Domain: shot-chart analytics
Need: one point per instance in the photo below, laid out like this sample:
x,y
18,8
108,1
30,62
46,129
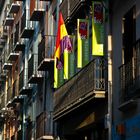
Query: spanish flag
x,y
63,44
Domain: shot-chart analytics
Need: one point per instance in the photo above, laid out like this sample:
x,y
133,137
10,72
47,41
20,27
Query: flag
x,y
83,49
69,59
62,43
98,29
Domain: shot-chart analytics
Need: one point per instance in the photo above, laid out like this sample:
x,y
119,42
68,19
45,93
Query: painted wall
x,y
132,129
130,118
119,10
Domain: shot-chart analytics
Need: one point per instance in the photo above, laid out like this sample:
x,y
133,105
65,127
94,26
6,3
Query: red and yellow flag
x,y
63,44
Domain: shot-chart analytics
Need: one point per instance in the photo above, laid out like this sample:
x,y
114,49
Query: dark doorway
x,y
129,34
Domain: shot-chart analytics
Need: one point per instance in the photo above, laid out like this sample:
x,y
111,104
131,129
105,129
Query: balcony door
x,y
129,34
129,38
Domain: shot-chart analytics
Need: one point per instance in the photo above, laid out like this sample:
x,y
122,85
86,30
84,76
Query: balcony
x,y
14,7
46,53
19,44
15,88
15,97
13,56
37,10
3,35
7,66
9,94
29,130
8,18
3,75
24,88
130,77
5,32
87,84
70,7
2,41
12,91
41,123
64,7
9,21
2,100
27,29
34,76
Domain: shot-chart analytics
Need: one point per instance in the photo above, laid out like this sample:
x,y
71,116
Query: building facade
x,y
80,104
26,92
126,82
30,106
95,95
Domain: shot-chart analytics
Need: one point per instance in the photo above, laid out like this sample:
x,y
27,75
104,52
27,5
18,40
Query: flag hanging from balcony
x,y
69,59
62,43
98,29
82,42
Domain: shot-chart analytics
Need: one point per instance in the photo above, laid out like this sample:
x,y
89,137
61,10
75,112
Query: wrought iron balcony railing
x,y
89,82
41,123
13,97
68,7
14,6
46,52
34,76
6,64
10,45
3,75
29,130
2,41
32,66
130,76
37,9
2,100
24,87
3,36
12,55
21,80
9,94
8,18
5,32
19,44
64,7
16,34
27,28
15,88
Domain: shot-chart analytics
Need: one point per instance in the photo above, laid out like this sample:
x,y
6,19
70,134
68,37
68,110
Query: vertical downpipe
x,y
57,15
23,120
68,9
109,76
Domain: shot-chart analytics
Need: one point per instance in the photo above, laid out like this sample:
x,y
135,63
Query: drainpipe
x,y
109,123
23,120
55,125
109,110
